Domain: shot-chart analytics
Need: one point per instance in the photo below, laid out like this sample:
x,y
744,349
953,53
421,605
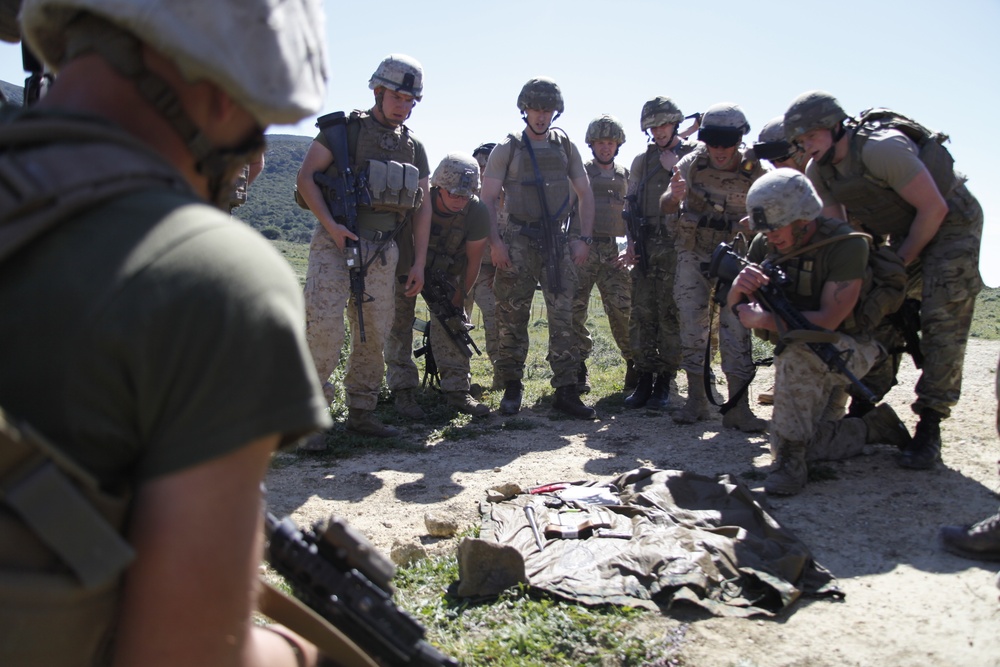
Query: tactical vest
x,y
871,202
521,187
609,199
61,553
654,179
718,196
446,247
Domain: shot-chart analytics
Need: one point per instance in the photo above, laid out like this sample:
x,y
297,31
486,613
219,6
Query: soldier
x,y
709,186
378,142
482,292
824,283
247,176
158,346
459,227
653,324
605,266
773,146
535,172
892,187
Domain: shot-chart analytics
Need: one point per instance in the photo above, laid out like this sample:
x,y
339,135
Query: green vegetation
x,y
520,630
270,206
986,320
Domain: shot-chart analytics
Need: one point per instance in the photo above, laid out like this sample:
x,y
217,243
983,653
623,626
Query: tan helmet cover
x,y
457,173
268,55
782,196
400,73
605,126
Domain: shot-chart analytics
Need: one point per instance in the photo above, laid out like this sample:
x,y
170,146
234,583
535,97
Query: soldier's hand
x,y
339,233
628,258
579,251
498,253
414,282
668,159
678,187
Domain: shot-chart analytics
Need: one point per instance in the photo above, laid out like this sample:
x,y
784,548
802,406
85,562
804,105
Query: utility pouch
x,y
393,185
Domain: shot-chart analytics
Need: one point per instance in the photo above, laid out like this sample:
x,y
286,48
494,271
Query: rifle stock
x,y
438,293
636,225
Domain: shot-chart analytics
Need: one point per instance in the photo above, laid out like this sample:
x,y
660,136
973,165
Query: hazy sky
x,y
929,60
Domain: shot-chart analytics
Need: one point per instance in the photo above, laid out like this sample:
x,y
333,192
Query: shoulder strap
x,y
106,163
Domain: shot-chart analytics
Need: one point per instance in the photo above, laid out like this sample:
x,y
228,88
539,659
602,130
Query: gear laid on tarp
x,y
648,538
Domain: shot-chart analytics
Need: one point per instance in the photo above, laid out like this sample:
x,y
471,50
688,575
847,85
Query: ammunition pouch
x,y
394,186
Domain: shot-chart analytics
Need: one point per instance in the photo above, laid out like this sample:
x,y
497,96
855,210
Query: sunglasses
x,y
775,151
720,137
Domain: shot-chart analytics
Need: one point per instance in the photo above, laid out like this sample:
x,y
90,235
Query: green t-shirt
x,y
153,333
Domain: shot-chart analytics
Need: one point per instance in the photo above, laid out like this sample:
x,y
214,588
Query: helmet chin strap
x,y
836,134
605,162
123,52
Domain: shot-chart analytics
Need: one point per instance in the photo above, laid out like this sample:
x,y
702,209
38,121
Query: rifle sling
x,y
293,614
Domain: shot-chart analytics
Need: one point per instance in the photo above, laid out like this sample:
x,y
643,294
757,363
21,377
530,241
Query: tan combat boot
x,y
696,408
364,422
739,416
464,402
790,474
406,404
885,426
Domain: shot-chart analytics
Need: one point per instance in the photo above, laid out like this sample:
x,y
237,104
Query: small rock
x,y
439,525
495,496
508,490
406,553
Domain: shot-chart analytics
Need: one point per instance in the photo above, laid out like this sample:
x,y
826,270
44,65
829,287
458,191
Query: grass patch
x,y
521,630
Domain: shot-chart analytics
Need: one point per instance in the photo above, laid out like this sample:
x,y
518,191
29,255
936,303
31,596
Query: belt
x,y
521,223
718,224
605,239
373,234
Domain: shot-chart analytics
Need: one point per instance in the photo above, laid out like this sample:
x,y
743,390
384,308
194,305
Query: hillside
x,y
270,207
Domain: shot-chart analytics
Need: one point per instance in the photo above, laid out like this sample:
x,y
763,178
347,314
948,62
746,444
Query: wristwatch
x,y
589,240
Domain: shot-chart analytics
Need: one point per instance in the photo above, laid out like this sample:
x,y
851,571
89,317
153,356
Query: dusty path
x,y
872,524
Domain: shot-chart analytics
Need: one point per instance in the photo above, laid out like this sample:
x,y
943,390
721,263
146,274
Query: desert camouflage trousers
x,y
482,294
654,327
514,289
328,295
612,279
401,368
809,399
693,291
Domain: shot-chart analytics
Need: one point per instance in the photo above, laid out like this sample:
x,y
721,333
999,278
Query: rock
x,y
439,525
488,568
406,553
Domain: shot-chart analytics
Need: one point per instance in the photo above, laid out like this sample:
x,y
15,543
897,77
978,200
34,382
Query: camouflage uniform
x,y
715,203
602,266
514,289
327,281
946,280
654,326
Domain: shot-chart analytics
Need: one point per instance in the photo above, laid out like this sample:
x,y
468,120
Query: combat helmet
x,y
605,126
277,74
457,173
541,93
816,109
779,198
723,124
771,142
400,73
659,111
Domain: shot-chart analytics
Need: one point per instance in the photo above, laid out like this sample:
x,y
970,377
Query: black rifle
x,y
335,571
551,232
438,292
635,222
726,265
906,321
343,194
427,352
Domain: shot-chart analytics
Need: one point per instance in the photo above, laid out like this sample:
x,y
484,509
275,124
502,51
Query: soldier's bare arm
x,y
923,195
421,236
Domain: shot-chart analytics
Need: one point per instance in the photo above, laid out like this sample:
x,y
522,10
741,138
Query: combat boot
x,y
661,392
364,422
885,426
766,397
859,407
643,390
464,402
314,443
925,450
980,541
631,376
739,416
406,404
568,402
790,474
497,382
583,379
696,407
510,404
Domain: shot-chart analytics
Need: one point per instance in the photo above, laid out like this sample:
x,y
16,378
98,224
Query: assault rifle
x,y
343,194
906,321
726,265
438,292
427,352
551,233
635,222
335,571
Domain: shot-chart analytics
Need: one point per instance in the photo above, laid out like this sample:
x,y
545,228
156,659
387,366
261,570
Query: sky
x,y
928,60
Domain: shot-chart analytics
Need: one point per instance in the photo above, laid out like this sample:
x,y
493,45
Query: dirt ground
x,y
872,524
